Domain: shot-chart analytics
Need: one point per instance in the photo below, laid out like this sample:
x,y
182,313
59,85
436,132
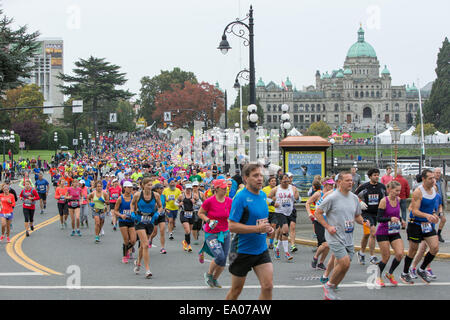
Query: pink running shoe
x,y
2,237
124,259
201,258
7,240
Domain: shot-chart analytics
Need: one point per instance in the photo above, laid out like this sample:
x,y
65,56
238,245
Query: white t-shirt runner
x,y
285,198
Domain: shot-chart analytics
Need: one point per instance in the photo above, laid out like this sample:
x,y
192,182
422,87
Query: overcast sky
x,y
292,37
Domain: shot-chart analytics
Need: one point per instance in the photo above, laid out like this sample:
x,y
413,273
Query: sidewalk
x,y
305,236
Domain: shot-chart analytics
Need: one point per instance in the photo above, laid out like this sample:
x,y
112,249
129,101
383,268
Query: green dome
x,y
288,82
326,75
361,48
385,70
348,71
260,83
339,74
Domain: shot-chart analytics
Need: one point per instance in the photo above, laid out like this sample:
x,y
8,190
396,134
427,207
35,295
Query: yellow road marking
x,y
14,250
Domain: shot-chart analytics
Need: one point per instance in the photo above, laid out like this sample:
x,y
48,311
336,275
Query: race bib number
x,y
188,214
285,203
7,215
426,227
146,219
28,202
61,198
373,199
127,213
349,226
114,196
171,197
74,204
393,227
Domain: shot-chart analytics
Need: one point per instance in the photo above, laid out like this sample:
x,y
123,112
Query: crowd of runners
x,y
236,218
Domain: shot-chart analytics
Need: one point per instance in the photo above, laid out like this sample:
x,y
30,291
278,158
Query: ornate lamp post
x,y
224,46
285,118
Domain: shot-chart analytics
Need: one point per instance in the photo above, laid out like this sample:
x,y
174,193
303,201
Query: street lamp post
x,y
395,134
332,141
89,143
55,139
224,46
4,138
12,140
243,74
285,118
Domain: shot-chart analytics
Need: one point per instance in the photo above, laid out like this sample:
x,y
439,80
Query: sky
x,y
293,38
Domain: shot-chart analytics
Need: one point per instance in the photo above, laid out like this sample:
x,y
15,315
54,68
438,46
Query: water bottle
x,y
212,224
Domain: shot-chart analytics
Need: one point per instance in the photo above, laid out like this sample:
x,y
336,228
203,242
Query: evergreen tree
x,y
95,83
17,50
436,109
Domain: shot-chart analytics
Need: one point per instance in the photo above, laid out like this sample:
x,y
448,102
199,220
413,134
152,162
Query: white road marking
x,y
14,274
354,285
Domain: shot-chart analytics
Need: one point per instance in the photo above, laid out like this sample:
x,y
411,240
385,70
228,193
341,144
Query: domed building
x,y
355,97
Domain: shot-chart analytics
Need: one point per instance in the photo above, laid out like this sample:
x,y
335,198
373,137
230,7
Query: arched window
x,y
399,94
336,107
313,108
307,108
295,108
279,107
318,108
367,113
396,107
268,108
356,94
378,94
416,107
361,94
372,94
302,108
367,94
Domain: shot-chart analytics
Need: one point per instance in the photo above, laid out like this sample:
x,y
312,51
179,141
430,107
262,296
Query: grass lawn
x,y
363,135
45,154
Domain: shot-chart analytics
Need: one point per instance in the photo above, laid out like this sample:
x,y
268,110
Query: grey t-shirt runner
x,y
340,211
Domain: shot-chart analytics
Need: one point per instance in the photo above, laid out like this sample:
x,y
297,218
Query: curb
x,y
313,243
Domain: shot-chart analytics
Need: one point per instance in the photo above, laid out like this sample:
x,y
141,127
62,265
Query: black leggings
x,y
28,214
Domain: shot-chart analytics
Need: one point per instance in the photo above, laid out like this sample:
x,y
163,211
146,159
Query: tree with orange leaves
x,y
194,101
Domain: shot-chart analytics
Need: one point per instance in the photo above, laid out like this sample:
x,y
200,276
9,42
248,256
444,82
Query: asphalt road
x,y
86,270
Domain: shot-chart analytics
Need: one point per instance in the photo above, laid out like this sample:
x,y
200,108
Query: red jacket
x,y
29,197
405,192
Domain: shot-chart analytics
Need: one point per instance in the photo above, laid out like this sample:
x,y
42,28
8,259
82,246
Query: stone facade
x,y
355,97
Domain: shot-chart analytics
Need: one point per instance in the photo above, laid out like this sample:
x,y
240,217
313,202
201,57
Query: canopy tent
x,y
385,137
346,136
407,137
437,137
294,132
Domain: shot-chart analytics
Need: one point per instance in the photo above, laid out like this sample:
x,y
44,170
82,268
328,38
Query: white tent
x,y
385,137
437,137
294,132
407,137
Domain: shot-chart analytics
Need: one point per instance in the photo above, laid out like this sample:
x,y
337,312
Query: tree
x,y
26,96
152,87
95,83
191,102
436,109
17,50
29,131
319,128
428,129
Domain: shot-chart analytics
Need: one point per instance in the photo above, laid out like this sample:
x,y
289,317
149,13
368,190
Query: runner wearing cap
x,y
73,196
122,211
84,204
215,212
292,219
97,200
114,193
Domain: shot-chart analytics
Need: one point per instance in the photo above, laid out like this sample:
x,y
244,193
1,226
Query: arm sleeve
x,y
381,217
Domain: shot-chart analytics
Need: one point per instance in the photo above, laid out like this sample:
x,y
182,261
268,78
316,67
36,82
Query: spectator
x,y
356,179
387,177
404,192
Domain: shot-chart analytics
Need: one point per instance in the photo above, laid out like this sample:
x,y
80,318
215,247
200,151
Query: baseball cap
x,y
195,183
220,183
158,186
329,181
127,184
189,186
289,174
115,180
82,181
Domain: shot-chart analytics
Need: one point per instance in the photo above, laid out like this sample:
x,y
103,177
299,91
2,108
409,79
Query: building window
x,y
295,118
307,108
268,108
367,94
356,94
313,118
302,118
302,108
318,108
372,94
279,107
378,94
416,106
396,107
397,117
399,94
269,118
394,94
348,107
295,108
336,118
387,106
336,107
274,118
361,94
313,107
